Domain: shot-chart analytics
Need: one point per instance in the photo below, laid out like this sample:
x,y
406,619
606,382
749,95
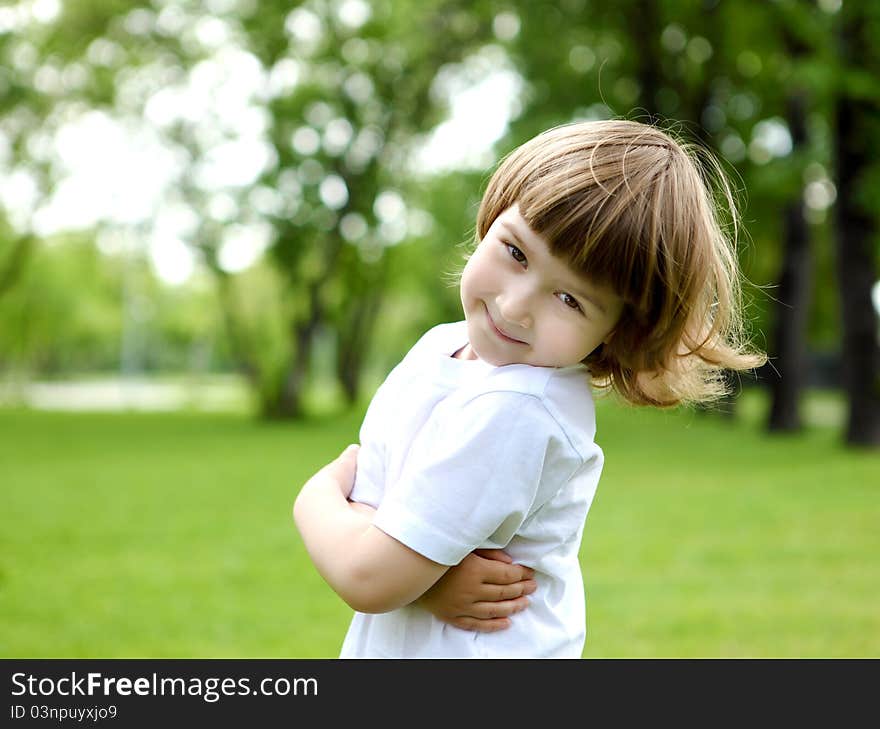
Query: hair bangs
x,y
627,255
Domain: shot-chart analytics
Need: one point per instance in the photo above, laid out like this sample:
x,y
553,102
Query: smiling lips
x,y
501,334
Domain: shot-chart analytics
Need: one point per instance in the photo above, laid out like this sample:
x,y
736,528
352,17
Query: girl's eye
x,y
570,301
516,253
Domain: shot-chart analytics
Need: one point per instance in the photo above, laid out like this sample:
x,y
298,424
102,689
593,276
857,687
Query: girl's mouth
x,y
500,333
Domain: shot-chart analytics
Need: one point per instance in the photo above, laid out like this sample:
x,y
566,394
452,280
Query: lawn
x,y
129,535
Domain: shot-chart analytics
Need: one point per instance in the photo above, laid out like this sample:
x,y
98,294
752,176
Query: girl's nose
x,y
515,308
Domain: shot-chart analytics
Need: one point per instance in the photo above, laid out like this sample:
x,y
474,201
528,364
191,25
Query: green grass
x,y
170,535
713,538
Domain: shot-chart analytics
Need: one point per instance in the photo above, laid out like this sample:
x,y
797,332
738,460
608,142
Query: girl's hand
x,y
481,592
341,470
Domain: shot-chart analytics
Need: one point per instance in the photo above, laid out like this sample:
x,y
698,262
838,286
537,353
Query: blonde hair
x,y
629,206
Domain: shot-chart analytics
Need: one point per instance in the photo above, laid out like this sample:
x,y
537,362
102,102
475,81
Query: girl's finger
x,y
496,593
482,626
498,573
499,555
500,609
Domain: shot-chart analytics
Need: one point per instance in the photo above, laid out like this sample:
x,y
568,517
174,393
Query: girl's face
x,y
525,306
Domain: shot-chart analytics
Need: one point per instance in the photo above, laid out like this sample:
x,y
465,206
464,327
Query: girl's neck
x,y
466,352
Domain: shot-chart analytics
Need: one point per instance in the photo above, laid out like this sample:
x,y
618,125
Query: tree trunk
x,y
353,347
858,120
856,231
355,335
289,402
788,347
15,262
645,29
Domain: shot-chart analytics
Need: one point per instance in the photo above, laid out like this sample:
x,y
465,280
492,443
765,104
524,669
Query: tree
x,y
338,91
857,221
803,38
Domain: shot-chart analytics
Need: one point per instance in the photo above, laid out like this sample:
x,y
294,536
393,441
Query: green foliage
x,y
75,308
64,315
348,103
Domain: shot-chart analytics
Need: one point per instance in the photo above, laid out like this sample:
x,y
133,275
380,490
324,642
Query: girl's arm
x,y
371,571
478,594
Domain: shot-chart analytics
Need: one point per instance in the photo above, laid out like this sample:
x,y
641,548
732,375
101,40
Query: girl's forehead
x,y
513,219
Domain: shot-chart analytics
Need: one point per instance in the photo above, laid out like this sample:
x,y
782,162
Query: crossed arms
x,y
375,573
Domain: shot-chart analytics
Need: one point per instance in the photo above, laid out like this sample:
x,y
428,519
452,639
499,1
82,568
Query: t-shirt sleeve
x,y
474,475
370,473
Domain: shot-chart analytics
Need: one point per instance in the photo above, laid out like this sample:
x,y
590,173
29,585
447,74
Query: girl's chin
x,y
487,356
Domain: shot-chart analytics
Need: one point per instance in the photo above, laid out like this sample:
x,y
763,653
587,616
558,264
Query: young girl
x,y
600,260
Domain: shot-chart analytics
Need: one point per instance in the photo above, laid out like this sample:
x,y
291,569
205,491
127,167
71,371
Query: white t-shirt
x,y
458,455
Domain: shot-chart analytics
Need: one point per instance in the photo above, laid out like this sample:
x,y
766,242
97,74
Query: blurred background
x,y
223,222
